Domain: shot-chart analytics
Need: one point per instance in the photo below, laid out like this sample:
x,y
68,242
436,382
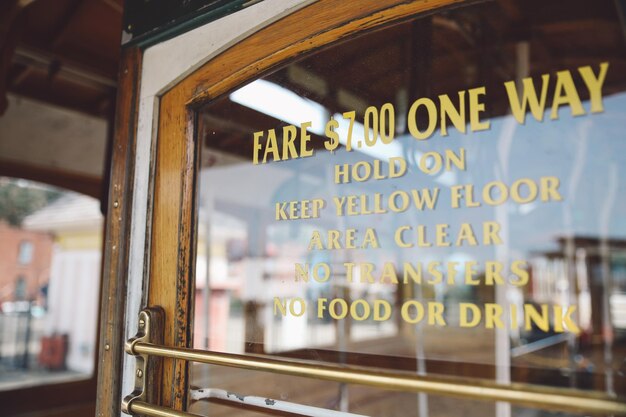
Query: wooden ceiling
x,y
63,52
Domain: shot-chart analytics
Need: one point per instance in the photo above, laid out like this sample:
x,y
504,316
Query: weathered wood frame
x,y
117,237
78,398
174,205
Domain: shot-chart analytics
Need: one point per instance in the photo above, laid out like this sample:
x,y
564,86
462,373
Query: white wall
x,y
73,304
35,133
163,65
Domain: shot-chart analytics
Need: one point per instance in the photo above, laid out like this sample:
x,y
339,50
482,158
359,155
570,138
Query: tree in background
x,y
19,198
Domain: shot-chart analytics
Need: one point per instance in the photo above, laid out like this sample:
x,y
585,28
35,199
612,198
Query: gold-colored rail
x,y
150,410
560,399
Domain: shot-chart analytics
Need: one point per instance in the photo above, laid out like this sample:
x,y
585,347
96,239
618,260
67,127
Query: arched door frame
x,y
154,163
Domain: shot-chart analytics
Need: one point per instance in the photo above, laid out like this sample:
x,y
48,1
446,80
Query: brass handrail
x,y
561,399
146,409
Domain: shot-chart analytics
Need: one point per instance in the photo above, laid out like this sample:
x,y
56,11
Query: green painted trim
x,y
199,19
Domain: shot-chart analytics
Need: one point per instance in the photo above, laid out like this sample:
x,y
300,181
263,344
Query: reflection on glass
x,y
496,253
50,248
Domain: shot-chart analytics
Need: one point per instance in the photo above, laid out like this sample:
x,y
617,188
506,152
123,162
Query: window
x,y
394,242
51,240
455,238
25,253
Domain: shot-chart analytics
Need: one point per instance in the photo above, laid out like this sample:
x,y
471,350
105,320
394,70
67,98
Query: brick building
x,y
25,259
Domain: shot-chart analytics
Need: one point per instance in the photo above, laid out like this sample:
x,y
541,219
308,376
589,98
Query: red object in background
x,y
53,352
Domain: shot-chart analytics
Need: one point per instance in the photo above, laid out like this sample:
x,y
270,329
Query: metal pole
x,y
25,355
519,394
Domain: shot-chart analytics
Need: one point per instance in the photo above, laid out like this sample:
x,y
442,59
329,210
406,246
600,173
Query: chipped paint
x,y
245,401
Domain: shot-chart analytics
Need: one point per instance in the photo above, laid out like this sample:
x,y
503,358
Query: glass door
x,y
379,210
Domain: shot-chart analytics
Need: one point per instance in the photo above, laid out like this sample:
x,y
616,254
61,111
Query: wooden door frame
x,y
117,237
174,204
124,271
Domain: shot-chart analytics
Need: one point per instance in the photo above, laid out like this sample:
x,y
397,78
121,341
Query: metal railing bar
x,y
151,410
561,399
289,408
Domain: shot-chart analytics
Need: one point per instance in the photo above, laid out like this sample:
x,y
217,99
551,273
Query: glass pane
x,y
442,196
50,248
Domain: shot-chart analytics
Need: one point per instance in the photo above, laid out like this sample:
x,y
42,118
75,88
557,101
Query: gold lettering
x,y
349,269
354,310
411,272
493,315
464,315
389,274
549,189
565,93
519,269
466,234
458,160
435,314
333,310
516,195
432,118
289,136
529,97
292,307
321,306
316,241
491,234
271,146
476,108
433,168
302,272
339,204
594,85
379,314
342,173
398,237
502,193
371,239
448,111
257,147
441,233
531,315
427,197
451,266
412,318
493,273
279,307
333,239
436,274
404,201
305,138
470,273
